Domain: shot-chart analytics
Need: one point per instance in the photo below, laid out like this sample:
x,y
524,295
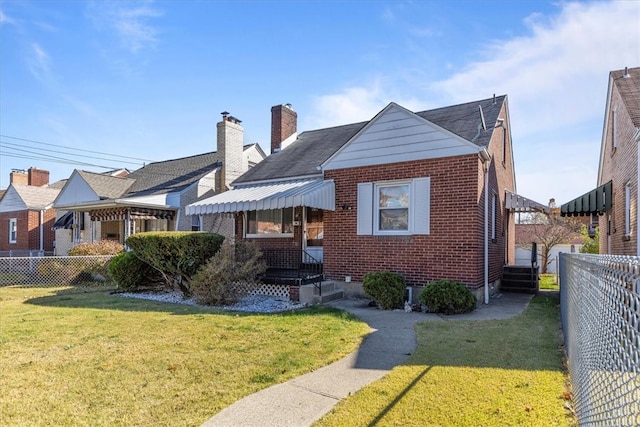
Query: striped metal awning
x,y
121,214
517,203
317,193
596,201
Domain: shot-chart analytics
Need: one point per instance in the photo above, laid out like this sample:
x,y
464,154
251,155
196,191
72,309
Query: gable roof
x,y
105,186
629,89
312,148
30,197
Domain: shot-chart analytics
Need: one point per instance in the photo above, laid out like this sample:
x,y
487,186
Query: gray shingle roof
x,y
312,148
106,186
629,88
171,175
36,197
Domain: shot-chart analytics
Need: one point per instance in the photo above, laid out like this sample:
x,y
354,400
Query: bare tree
x,y
549,230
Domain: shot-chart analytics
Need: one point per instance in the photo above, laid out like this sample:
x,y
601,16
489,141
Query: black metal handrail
x,y
294,264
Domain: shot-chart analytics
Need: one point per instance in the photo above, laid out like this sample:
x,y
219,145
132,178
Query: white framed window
x,y
627,209
394,208
13,230
196,223
270,223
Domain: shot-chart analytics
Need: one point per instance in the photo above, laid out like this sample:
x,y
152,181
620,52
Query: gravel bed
x,y
251,304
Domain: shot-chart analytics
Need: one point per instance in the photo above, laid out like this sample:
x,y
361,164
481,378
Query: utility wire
x,y
76,149
18,147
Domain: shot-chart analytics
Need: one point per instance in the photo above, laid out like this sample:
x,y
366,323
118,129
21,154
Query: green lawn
x,y
73,356
548,282
84,357
471,373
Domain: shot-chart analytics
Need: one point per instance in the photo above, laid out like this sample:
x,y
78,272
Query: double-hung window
x,y
13,230
270,223
394,208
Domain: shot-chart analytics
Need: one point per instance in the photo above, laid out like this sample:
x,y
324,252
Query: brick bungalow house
x,y
614,203
428,195
152,198
27,214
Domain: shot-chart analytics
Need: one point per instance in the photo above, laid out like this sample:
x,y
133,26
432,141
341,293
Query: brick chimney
x,y
38,177
284,126
19,177
230,147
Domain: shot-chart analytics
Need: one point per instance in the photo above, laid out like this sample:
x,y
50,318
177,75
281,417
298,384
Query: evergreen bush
x,y
177,255
131,274
448,297
386,288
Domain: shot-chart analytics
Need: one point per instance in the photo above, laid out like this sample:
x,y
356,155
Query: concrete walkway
x,y
305,399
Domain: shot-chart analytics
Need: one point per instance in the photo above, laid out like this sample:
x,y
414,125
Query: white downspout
x,y
41,229
486,159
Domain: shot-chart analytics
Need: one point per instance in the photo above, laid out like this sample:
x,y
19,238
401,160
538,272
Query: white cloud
x,y
556,76
129,22
38,62
4,19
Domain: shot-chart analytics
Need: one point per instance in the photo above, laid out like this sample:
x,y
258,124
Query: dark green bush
x,y
131,274
177,255
386,288
229,275
448,297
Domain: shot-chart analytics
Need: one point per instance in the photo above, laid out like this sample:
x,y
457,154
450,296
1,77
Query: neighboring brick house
x,y
613,205
153,198
27,214
428,195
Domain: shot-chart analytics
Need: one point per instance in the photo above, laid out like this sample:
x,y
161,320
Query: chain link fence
x,y
600,309
54,271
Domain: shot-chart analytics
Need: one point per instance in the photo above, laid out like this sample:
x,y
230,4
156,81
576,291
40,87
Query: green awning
x,y
596,202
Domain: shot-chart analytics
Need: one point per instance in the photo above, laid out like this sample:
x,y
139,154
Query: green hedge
x,y
132,274
448,297
386,288
177,255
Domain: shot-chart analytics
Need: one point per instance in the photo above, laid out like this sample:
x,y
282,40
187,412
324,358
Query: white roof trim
x,y
315,194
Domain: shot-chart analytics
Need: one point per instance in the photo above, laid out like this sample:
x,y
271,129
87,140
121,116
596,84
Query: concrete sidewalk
x,y
301,401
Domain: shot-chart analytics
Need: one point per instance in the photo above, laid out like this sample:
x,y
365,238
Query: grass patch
x,y
74,356
471,373
548,282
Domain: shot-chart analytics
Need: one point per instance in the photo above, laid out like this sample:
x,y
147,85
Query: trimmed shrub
x,y
131,274
448,297
177,255
386,288
101,247
229,275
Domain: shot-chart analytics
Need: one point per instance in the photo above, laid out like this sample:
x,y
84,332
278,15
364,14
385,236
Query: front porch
x,y
300,273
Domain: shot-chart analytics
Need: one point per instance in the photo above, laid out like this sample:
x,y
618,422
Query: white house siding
x,y
523,255
398,135
12,202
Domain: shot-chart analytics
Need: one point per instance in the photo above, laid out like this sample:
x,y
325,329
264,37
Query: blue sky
x,y
147,80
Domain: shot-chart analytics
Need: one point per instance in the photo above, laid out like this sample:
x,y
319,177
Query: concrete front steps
x,y
327,291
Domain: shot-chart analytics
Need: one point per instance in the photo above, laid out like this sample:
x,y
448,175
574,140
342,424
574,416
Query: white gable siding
x,y
12,201
76,190
397,135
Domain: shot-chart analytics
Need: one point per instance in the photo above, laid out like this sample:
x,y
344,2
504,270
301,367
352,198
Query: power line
x,y
76,149
19,148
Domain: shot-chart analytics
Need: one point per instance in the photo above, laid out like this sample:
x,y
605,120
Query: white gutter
x,y
486,159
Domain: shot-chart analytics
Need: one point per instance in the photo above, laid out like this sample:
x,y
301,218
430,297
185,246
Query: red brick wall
x,y
28,230
621,166
454,247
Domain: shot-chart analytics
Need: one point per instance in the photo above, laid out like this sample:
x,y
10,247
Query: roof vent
x,y
494,99
626,73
